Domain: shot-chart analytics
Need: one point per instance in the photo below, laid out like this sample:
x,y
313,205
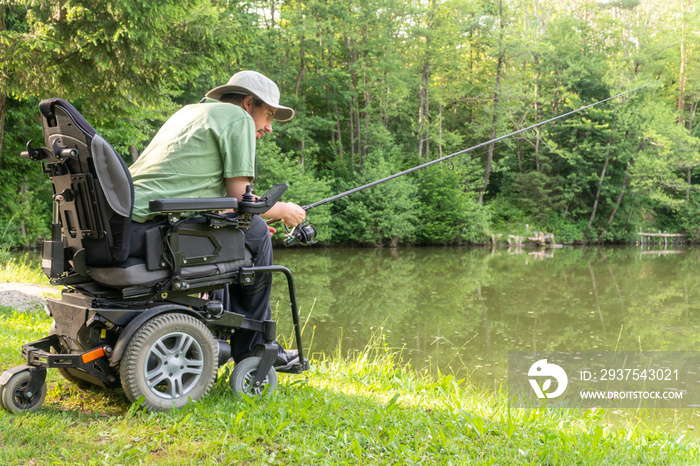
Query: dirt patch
x,y
26,297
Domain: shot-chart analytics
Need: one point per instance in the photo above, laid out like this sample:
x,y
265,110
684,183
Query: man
x,y
208,150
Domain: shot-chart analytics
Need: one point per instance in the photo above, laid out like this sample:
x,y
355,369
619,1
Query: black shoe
x,y
286,360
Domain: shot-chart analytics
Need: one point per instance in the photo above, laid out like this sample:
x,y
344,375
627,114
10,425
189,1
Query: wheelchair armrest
x,y
192,205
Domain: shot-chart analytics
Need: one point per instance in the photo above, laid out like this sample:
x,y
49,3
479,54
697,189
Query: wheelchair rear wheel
x,y
243,376
172,358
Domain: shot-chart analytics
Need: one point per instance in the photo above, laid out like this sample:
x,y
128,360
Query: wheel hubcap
x,y
249,386
174,365
22,401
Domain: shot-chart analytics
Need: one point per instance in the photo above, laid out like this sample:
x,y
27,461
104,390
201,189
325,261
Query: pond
x,y
462,310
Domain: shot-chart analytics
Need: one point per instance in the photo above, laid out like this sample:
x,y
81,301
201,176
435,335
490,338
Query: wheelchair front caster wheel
x,y
243,376
14,400
171,359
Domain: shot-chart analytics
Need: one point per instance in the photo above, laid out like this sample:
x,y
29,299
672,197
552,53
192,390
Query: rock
x,y
26,297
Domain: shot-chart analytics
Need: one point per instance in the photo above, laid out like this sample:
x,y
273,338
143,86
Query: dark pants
x,y
252,301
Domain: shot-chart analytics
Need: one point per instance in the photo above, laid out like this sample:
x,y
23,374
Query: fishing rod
x,y
304,232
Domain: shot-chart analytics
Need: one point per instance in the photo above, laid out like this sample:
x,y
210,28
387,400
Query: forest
x,y
381,86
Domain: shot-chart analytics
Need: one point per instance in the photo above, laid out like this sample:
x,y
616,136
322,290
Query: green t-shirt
x,y
193,152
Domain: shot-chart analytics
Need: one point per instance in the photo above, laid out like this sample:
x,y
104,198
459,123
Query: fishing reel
x,y
302,234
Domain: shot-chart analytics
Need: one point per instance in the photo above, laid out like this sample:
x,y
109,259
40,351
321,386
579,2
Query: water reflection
x,y
462,310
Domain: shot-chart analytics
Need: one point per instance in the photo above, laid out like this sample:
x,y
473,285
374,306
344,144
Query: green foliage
x,y
115,55
686,220
507,216
566,230
539,194
21,268
448,213
304,187
443,206
666,155
383,79
477,220
25,191
386,212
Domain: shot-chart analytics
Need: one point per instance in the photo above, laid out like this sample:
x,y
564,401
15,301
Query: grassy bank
x,y
369,410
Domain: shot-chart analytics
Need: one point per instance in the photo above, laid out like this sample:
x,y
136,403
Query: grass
x,y
369,410
21,268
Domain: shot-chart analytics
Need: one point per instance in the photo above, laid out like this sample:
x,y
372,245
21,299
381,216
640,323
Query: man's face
x,y
262,116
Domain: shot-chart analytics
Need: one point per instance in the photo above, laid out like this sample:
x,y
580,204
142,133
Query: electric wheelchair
x,y
144,324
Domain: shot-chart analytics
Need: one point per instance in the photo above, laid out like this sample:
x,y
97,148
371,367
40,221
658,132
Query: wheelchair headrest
x,y
47,109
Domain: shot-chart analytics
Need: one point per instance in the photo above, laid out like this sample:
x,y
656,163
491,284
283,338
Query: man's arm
x,y
291,214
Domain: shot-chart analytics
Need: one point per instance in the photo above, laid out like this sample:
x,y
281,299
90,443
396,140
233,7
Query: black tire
x,y
75,380
176,340
11,394
68,374
64,371
244,373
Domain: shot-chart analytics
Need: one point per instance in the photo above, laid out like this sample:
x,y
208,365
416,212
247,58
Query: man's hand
x,y
287,212
291,214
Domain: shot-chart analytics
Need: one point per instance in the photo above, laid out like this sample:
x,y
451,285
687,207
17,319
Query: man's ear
x,y
248,103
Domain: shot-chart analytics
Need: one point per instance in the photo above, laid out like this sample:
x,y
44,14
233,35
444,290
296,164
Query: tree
x,y
113,57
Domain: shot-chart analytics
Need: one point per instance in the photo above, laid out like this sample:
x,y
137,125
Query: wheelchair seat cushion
x,y
133,272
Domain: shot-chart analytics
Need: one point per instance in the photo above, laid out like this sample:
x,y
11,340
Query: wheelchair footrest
x,y
296,368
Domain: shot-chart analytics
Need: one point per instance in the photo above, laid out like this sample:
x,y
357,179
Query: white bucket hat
x,y
260,86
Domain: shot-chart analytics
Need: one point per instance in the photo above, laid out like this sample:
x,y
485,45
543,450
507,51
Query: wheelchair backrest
x,y
93,190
